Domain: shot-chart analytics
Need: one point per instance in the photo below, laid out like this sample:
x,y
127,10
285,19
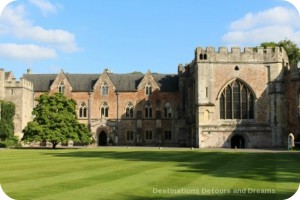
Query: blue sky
x,y
133,35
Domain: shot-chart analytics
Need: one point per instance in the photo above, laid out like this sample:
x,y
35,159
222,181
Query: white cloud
x,y
275,24
14,23
26,52
45,6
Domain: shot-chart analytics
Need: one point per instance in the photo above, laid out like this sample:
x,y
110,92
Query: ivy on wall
x,y
7,113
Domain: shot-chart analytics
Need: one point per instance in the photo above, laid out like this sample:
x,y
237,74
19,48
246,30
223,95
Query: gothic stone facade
x,y
243,99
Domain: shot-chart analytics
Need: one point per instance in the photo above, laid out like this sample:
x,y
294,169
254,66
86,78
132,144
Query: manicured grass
x,y
148,173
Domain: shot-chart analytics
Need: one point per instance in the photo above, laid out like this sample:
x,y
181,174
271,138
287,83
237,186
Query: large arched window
x,y
83,110
61,88
104,109
129,110
237,102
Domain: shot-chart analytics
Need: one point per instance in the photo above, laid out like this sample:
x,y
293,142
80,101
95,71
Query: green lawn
x,y
148,173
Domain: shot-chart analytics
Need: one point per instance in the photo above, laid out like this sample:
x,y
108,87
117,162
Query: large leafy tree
x,y
290,47
55,121
7,113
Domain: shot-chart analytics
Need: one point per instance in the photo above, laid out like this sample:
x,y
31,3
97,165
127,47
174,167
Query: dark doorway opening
x,y
102,139
238,141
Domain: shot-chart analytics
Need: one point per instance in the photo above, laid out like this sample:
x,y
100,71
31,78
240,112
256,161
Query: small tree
x,y
7,113
55,121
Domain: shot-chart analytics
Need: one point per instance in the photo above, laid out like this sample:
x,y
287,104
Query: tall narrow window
x,y
129,110
148,135
61,88
168,110
129,135
168,135
237,102
104,110
148,89
104,89
148,110
83,110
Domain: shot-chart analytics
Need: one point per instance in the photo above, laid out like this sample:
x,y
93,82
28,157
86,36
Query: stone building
x,y
223,98
127,109
21,94
240,98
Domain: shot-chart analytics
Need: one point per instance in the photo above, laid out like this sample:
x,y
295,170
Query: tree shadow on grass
x,y
279,166
274,167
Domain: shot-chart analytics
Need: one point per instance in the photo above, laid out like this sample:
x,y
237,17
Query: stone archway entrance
x,y
238,141
102,139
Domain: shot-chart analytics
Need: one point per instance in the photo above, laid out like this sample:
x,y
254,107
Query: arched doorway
x,y
102,139
238,141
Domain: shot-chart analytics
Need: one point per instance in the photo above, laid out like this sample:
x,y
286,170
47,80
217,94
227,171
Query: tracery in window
x,y
129,110
83,110
104,89
104,109
237,101
148,89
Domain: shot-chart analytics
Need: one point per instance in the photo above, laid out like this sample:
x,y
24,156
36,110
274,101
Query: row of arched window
x,y
236,102
129,109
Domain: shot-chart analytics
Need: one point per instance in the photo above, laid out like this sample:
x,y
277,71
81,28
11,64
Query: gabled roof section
x,y
61,76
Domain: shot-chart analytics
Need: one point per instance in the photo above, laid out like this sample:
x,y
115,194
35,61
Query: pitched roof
x,y
82,82
85,82
126,82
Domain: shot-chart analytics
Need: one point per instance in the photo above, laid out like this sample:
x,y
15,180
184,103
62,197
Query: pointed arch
x,y
104,89
230,82
129,110
148,89
236,100
61,87
83,110
104,109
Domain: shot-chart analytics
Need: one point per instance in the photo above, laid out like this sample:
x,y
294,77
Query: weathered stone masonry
x,y
225,98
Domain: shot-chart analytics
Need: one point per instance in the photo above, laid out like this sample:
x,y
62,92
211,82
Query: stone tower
x,y
238,96
21,94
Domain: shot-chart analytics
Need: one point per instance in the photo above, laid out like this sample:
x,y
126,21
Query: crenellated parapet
x,y
236,54
22,83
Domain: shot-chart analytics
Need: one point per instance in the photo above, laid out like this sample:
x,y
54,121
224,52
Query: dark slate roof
x,y
82,82
167,82
85,82
126,82
41,82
